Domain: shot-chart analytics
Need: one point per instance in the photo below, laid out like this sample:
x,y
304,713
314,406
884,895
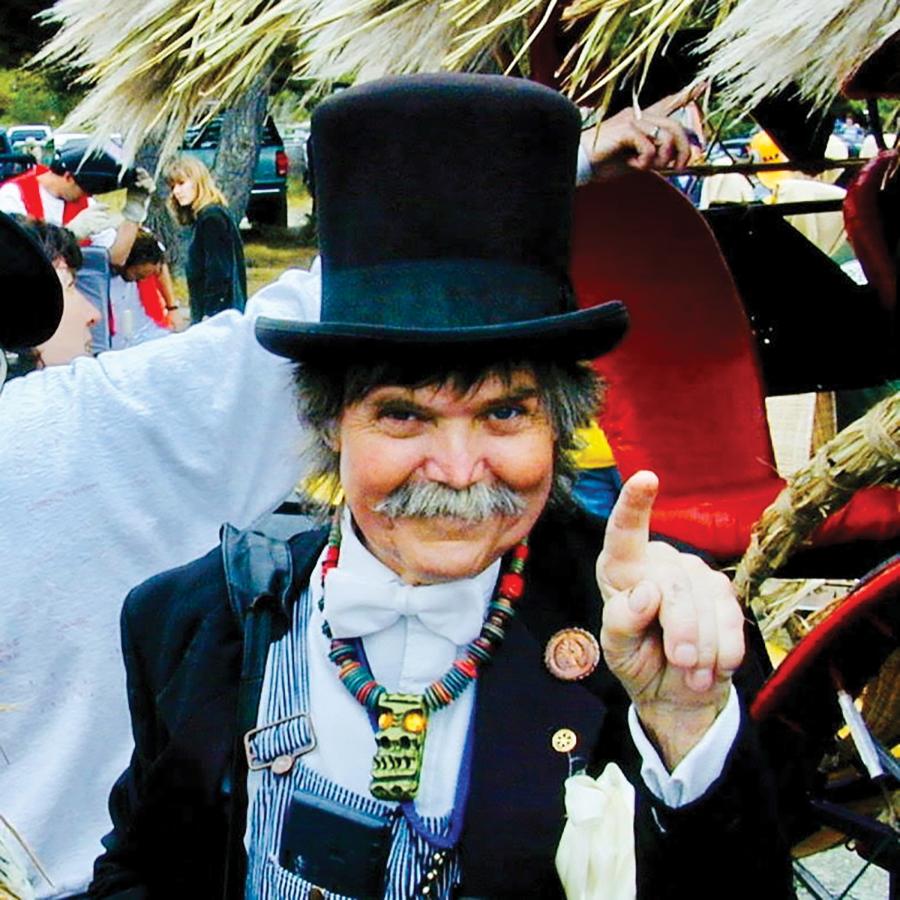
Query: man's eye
x,y
400,415
506,413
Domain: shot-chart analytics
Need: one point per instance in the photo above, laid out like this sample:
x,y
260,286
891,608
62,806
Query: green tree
x,y
29,96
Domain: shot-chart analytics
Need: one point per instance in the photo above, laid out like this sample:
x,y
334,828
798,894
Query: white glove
x,y
97,217
137,197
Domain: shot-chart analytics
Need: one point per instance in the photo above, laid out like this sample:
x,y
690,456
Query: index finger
x,y
628,530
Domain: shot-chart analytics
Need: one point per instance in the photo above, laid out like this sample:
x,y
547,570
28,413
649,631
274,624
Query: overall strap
x,y
260,574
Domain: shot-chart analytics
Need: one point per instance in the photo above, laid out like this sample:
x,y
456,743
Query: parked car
x,y
268,196
296,136
61,138
12,162
18,134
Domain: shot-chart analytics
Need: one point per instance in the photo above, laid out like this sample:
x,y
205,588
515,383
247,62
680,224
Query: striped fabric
x,y
284,730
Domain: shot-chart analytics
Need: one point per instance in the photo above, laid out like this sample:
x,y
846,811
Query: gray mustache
x,y
430,500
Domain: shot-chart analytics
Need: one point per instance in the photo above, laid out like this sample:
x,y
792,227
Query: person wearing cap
x,y
415,700
62,194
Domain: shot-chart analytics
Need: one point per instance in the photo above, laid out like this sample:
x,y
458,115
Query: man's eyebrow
x,y
402,401
399,402
508,398
513,395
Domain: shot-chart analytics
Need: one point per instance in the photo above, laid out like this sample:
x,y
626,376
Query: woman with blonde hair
x,y
216,276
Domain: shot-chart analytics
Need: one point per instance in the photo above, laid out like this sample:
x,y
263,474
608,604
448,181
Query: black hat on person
x,y
33,295
444,209
96,171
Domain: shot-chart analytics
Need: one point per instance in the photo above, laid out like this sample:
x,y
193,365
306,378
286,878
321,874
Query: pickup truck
x,y
268,196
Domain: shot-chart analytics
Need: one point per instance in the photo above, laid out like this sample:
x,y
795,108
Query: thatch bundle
x,y
155,64
765,45
865,453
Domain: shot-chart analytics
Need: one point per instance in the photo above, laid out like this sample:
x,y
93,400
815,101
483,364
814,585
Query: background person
x,y
216,275
62,195
140,295
72,337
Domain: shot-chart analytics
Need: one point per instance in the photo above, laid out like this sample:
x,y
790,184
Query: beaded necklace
x,y
402,719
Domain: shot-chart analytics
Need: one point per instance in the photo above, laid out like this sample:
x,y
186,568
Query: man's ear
x,y
331,437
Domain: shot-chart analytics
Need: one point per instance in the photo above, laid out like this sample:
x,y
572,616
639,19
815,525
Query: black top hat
x,y
33,299
444,209
96,172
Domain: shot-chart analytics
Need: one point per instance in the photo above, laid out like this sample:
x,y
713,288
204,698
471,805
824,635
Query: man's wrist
x,y
675,730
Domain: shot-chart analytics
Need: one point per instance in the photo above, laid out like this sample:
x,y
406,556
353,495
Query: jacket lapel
x,y
515,813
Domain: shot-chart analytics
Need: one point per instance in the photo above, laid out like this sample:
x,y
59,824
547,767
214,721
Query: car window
x,y
22,134
208,137
270,135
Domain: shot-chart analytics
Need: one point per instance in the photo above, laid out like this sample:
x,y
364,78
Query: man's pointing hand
x,y
672,629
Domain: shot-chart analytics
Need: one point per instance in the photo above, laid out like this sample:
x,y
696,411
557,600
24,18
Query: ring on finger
x,y
655,133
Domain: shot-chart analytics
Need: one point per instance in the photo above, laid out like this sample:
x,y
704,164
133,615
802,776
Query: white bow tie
x,y
356,606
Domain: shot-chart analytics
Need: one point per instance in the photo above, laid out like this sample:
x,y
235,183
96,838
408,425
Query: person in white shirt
x,y
111,469
62,194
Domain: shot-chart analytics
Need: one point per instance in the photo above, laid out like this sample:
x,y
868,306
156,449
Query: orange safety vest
x,y
31,196
151,295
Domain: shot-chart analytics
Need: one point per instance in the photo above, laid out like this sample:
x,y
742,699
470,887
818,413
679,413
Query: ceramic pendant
x,y
400,742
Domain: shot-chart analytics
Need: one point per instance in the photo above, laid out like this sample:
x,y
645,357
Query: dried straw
x,y
765,45
865,453
152,65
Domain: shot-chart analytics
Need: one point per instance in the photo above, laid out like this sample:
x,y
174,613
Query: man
x,y
320,715
27,272
72,337
140,295
61,195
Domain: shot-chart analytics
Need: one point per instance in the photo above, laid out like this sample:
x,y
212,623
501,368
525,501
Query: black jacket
x,y
216,275
170,809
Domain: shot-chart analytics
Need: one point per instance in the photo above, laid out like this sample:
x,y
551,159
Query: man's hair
x,y
570,393
57,243
145,249
183,168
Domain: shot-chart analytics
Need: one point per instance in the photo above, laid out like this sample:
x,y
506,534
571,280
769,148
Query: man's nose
x,y
456,458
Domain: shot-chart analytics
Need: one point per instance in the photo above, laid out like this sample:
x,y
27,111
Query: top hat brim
x,y
34,299
583,334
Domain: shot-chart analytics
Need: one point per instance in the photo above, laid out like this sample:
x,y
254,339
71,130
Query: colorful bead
x,y
467,667
512,585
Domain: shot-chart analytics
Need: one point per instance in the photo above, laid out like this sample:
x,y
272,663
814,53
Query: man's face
x,y
71,190
496,435
73,337
141,271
